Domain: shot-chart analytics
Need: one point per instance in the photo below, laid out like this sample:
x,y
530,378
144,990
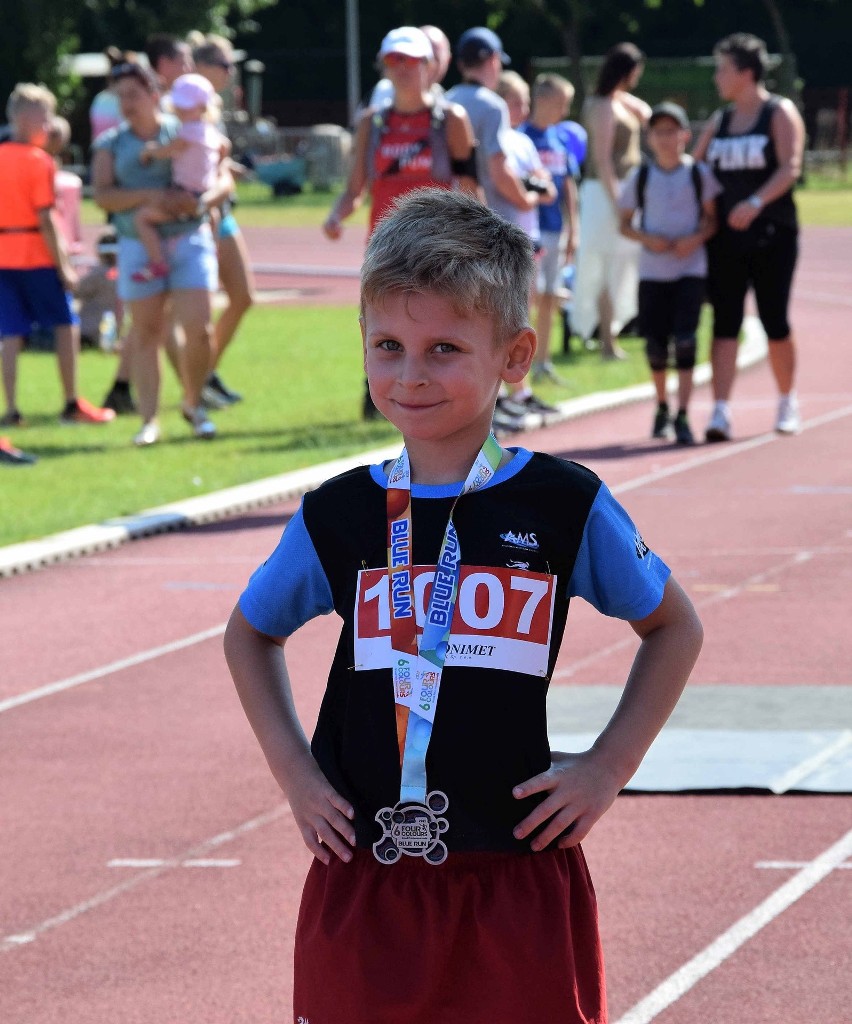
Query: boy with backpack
x,y
675,199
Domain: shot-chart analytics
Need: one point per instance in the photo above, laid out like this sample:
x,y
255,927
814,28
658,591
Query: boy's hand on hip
x,y
323,817
580,790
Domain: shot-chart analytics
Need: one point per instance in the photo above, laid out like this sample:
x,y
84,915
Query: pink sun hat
x,y
190,91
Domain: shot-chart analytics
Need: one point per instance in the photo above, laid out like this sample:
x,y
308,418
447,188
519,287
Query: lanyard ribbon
x,y
417,668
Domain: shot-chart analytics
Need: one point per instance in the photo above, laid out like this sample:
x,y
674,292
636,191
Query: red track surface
x,y
154,760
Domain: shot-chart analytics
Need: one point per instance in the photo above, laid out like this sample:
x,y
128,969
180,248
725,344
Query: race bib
x,y
502,619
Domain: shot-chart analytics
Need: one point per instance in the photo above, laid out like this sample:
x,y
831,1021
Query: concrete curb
x,y
30,555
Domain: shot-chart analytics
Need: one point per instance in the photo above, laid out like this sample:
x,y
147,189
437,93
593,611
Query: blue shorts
x,y
192,265
30,297
228,226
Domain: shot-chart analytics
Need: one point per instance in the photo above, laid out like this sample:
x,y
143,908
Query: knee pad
x,y
657,352
685,353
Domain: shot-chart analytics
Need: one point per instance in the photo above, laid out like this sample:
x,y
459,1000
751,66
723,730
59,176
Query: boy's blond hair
x,y
511,82
450,244
548,84
28,94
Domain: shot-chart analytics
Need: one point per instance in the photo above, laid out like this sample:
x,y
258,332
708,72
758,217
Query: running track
x,y
150,872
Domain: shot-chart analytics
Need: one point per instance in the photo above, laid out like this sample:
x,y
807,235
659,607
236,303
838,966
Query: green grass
x,y
826,201
300,371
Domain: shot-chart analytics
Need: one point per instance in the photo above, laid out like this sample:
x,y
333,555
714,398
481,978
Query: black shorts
x,y
762,258
669,311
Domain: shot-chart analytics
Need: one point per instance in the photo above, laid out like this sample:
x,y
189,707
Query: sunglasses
x,y
225,65
130,70
398,60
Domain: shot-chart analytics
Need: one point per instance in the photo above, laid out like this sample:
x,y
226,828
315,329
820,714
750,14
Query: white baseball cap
x,y
190,91
410,41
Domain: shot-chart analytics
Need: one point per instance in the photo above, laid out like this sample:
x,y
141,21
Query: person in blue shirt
x,y
551,98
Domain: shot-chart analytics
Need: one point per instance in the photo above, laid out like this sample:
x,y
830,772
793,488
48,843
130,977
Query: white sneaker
x,y
788,420
719,427
201,426
148,435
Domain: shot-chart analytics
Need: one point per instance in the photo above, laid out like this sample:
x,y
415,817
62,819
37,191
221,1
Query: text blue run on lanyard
x,y
417,668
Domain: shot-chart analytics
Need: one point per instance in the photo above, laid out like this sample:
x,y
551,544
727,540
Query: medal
x,y
412,826
413,830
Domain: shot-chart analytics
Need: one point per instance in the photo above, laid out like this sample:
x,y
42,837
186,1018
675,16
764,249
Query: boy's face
x,y
551,108
434,372
519,107
667,140
32,124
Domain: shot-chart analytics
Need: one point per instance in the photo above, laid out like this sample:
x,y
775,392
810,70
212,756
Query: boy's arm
x,y
653,243
707,225
259,671
581,787
48,223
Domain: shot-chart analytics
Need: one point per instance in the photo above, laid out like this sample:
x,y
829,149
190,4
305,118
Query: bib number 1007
x,y
497,611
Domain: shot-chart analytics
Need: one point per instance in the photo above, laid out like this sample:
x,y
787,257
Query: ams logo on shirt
x,y
502,618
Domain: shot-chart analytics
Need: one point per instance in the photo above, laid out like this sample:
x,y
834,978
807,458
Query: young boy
x,y
36,276
448,882
551,100
676,200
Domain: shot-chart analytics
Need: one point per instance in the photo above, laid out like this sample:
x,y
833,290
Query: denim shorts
x,y
191,258
30,297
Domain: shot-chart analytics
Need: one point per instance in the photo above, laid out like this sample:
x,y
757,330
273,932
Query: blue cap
x,y
477,45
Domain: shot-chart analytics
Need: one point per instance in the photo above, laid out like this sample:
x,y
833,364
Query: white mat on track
x,y
814,761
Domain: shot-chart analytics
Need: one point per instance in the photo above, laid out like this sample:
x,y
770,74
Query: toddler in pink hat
x,y
195,152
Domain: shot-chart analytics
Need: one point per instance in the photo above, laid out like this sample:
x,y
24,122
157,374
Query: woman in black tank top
x,y
754,147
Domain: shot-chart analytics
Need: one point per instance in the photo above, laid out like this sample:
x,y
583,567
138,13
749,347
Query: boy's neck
x,y
436,464
669,164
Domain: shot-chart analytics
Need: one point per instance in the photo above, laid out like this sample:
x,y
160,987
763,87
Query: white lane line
x,y
794,865
800,771
158,862
114,666
726,450
148,874
686,977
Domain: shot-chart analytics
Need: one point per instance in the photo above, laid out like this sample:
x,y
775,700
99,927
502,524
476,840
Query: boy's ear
x,y
519,356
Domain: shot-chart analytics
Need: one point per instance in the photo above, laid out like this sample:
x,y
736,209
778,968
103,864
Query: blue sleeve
x,y
615,571
290,587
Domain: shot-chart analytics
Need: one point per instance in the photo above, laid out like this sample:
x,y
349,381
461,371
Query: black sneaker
x,y
683,434
532,403
215,384
119,399
12,419
662,423
12,456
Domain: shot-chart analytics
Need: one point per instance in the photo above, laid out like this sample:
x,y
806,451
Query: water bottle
x,y
108,332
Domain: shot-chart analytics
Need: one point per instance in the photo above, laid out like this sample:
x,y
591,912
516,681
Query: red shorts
x,y
485,938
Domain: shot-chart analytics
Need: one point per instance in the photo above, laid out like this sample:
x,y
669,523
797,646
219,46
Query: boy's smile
x,y
434,373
